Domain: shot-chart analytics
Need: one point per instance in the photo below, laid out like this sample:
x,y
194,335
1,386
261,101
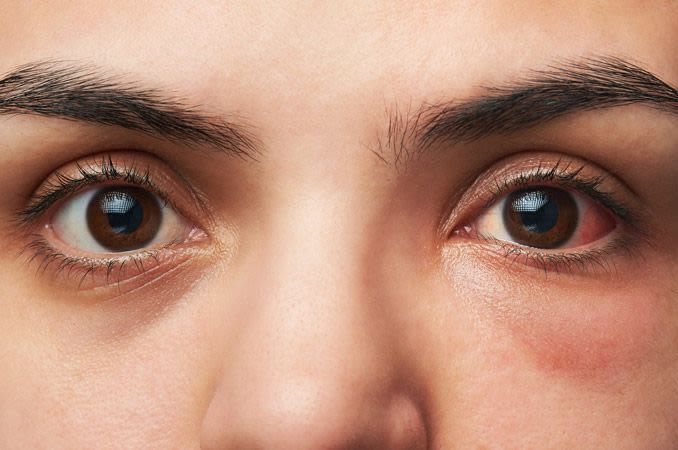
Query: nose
x,y
313,363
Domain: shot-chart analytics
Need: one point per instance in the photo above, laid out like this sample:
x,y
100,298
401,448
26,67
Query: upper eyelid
x,y
123,166
101,169
570,178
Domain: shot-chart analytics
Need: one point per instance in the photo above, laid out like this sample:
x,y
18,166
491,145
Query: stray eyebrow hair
x,y
83,93
587,84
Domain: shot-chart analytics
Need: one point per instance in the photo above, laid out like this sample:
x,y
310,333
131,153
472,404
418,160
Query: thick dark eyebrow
x,y
587,84
79,92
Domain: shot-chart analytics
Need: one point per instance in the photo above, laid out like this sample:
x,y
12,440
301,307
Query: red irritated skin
x,y
564,320
603,345
599,338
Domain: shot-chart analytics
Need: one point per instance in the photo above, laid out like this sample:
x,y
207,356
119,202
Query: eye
x,y
114,219
545,217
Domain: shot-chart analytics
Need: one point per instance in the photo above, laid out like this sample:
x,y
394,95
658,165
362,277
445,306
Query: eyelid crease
x,y
127,268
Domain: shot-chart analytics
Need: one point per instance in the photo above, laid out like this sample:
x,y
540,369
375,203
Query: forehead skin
x,y
313,81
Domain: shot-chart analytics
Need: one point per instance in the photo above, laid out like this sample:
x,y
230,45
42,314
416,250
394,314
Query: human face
x,y
331,264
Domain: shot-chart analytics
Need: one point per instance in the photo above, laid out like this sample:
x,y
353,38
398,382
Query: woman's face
x,y
339,226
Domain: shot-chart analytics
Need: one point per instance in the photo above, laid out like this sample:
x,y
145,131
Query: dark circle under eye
x,y
541,217
123,218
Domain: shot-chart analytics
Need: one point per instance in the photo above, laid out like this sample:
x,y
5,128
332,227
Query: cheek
x,y
593,335
596,329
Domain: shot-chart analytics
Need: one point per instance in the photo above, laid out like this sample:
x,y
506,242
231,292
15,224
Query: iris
x,y
124,218
541,217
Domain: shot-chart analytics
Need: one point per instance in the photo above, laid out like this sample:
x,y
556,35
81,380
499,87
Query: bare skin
x,y
333,291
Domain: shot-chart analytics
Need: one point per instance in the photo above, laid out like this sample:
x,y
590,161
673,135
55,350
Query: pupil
x,y
123,211
538,212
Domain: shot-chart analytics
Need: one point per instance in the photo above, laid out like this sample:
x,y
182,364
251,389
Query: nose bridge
x,y
312,299
311,366
309,273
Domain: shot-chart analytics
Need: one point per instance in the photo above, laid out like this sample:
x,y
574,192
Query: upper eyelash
x,y
565,175
65,185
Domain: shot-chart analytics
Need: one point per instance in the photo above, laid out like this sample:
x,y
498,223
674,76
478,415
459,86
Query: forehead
x,y
335,54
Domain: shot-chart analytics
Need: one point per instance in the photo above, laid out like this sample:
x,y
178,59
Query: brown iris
x,y
541,217
123,218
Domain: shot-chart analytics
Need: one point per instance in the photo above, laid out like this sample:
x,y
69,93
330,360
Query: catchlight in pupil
x,y
124,212
123,218
541,217
537,211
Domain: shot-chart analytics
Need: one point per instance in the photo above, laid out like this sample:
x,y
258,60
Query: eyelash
x,y
113,267
568,176
563,175
63,186
572,262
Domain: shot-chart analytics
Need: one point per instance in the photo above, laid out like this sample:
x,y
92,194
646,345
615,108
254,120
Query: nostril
x,y
406,426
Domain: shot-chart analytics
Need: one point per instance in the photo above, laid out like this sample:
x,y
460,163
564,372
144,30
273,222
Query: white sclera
x,y
70,225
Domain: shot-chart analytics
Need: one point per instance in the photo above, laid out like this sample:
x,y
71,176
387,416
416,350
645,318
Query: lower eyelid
x,y
604,260
124,271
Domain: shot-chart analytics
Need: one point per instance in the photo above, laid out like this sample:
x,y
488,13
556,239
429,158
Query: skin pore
x,y
329,280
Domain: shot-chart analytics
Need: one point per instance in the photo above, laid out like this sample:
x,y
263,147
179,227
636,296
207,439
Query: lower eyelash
x,y
113,269
581,262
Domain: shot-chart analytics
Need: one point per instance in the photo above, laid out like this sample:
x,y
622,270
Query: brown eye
x,y
541,217
123,218
544,217
119,218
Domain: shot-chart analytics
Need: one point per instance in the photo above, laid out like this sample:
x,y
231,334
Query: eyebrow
x,y
84,93
544,95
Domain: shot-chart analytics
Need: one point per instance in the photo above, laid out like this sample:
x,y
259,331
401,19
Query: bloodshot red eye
x,y
545,217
